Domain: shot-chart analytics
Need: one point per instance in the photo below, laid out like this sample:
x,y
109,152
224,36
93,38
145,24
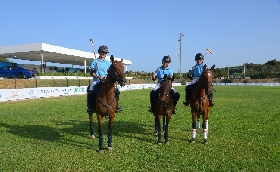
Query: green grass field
x,y
52,134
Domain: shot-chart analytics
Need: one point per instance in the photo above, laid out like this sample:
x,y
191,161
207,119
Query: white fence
x,y
43,92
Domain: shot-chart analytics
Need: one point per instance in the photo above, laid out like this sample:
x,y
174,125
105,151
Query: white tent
x,y
49,53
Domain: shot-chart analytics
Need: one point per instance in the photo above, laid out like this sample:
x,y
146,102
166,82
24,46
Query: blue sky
x,y
143,31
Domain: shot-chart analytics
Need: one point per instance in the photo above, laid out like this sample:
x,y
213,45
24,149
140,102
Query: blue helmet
x,y
103,48
199,56
166,59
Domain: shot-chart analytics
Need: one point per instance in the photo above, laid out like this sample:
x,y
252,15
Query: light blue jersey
x,y
161,72
100,67
197,70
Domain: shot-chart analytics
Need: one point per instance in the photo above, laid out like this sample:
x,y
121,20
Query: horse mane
x,y
168,78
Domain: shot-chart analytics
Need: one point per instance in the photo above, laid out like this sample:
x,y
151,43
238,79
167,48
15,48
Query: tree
x,y
4,59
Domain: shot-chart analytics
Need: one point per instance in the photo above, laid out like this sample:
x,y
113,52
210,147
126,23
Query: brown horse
x,y
199,102
164,108
106,101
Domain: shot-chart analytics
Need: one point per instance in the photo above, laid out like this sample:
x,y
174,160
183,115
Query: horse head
x,y
164,90
117,71
206,79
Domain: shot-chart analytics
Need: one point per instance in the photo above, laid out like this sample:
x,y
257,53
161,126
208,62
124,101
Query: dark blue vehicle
x,y
16,72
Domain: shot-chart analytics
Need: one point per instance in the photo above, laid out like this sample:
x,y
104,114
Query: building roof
x,y
51,53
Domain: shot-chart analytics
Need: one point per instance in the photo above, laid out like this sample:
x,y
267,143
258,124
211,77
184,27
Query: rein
x,y
109,81
204,85
167,95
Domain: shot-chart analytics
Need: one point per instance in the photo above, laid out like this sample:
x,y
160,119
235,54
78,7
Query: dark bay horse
x,y
164,108
106,101
199,102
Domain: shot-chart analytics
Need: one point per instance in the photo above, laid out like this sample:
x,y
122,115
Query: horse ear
x,y
204,67
121,60
172,78
112,58
212,68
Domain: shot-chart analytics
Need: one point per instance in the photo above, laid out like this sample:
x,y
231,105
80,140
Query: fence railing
x,y
35,83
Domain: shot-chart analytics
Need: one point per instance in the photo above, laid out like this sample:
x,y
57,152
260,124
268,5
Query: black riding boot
x,y
211,102
176,97
152,101
187,99
90,101
117,95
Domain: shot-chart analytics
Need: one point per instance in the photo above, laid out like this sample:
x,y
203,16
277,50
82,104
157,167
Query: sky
x,y
143,31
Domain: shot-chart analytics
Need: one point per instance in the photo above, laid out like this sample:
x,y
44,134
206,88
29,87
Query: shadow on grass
x,y
38,132
67,129
120,129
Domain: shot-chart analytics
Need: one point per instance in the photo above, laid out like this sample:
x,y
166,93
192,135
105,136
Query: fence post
x,y
53,81
66,82
36,83
79,81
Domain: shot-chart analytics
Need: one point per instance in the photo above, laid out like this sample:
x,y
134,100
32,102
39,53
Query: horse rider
x,y
99,71
160,72
194,74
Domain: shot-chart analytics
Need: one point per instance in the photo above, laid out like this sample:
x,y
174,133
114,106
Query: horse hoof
x,y
192,142
205,143
92,137
110,148
167,143
101,151
159,143
155,133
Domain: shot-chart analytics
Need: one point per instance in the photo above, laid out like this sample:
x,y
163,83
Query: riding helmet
x,y
166,59
103,48
199,56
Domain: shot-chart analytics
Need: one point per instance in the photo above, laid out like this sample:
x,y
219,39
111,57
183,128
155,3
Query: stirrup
x,y
118,109
186,103
90,110
150,110
174,111
211,104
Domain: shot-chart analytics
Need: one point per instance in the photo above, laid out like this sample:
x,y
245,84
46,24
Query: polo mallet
x,y
91,41
208,51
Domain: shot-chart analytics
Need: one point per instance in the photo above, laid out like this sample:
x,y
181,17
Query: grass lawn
x,y
52,134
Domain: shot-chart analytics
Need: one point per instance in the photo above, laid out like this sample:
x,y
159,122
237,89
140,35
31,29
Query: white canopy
x,y
49,53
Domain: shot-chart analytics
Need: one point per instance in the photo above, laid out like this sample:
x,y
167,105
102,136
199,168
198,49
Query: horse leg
x,y
163,122
166,129
91,127
193,127
205,128
100,132
197,123
159,130
156,126
110,127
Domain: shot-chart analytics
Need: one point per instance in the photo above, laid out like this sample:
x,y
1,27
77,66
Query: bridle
x,y
165,91
204,82
117,77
